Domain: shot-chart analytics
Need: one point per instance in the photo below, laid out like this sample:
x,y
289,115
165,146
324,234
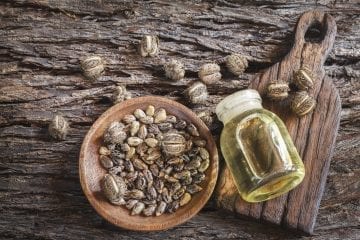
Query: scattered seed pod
x,y
303,79
149,46
278,91
161,208
138,208
174,70
58,128
120,94
236,63
209,73
197,93
150,210
302,103
93,67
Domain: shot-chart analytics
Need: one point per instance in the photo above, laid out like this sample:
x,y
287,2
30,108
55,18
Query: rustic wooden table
x,y
41,43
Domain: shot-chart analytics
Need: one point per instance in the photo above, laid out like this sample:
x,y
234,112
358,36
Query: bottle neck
x,y
239,109
237,103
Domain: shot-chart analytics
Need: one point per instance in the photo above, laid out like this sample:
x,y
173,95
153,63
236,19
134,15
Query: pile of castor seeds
x,y
155,162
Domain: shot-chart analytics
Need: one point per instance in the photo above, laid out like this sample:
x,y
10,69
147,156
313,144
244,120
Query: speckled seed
x,y
182,175
139,164
170,179
150,110
142,132
130,153
154,170
178,194
147,120
204,165
110,187
160,208
138,113
138,208
187,180
134,141
179,167
134,128
193,164
149,211
115,133
185,199
125,147
204,154
151,193
198,178
104,151
180,124
153,128
166,195
165,126
160,115
193,172
154,155
128,166
140,182
175,161
173,206
192,130
151,142
135,194
148,176
193,188
106,162
131,203
130,177
159,185
141,149
174,187
129,118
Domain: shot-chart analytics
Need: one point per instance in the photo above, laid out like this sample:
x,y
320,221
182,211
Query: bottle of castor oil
x,y
257,148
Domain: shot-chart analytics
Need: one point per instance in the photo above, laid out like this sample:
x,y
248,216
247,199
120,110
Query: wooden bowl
x,y
91,171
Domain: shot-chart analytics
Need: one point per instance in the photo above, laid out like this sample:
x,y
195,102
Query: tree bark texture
x,y
41,42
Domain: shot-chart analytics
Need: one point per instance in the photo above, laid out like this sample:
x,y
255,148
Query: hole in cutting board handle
x,y
315,33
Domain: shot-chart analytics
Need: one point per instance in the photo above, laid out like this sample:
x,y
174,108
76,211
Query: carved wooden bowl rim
x,y
91,171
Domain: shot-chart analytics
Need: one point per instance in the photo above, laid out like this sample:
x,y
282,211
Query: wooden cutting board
x,y
314,135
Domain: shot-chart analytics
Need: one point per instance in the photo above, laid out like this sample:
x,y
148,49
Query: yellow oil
x,y
261,155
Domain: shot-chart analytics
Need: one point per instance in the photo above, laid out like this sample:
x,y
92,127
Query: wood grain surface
x,y
314,134
40,46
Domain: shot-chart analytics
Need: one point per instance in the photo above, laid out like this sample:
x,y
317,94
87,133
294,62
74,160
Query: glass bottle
x,y
257,148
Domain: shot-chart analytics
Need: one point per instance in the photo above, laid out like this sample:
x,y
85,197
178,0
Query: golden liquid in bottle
x,y
261,155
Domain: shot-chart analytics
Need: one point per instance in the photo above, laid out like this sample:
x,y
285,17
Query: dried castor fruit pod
x,y
303,79
236,63
209,73
58,128
302,103
197,93
174,70
278,91
149,46
93,67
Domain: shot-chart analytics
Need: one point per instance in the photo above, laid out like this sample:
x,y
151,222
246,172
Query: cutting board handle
x,y
327,27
